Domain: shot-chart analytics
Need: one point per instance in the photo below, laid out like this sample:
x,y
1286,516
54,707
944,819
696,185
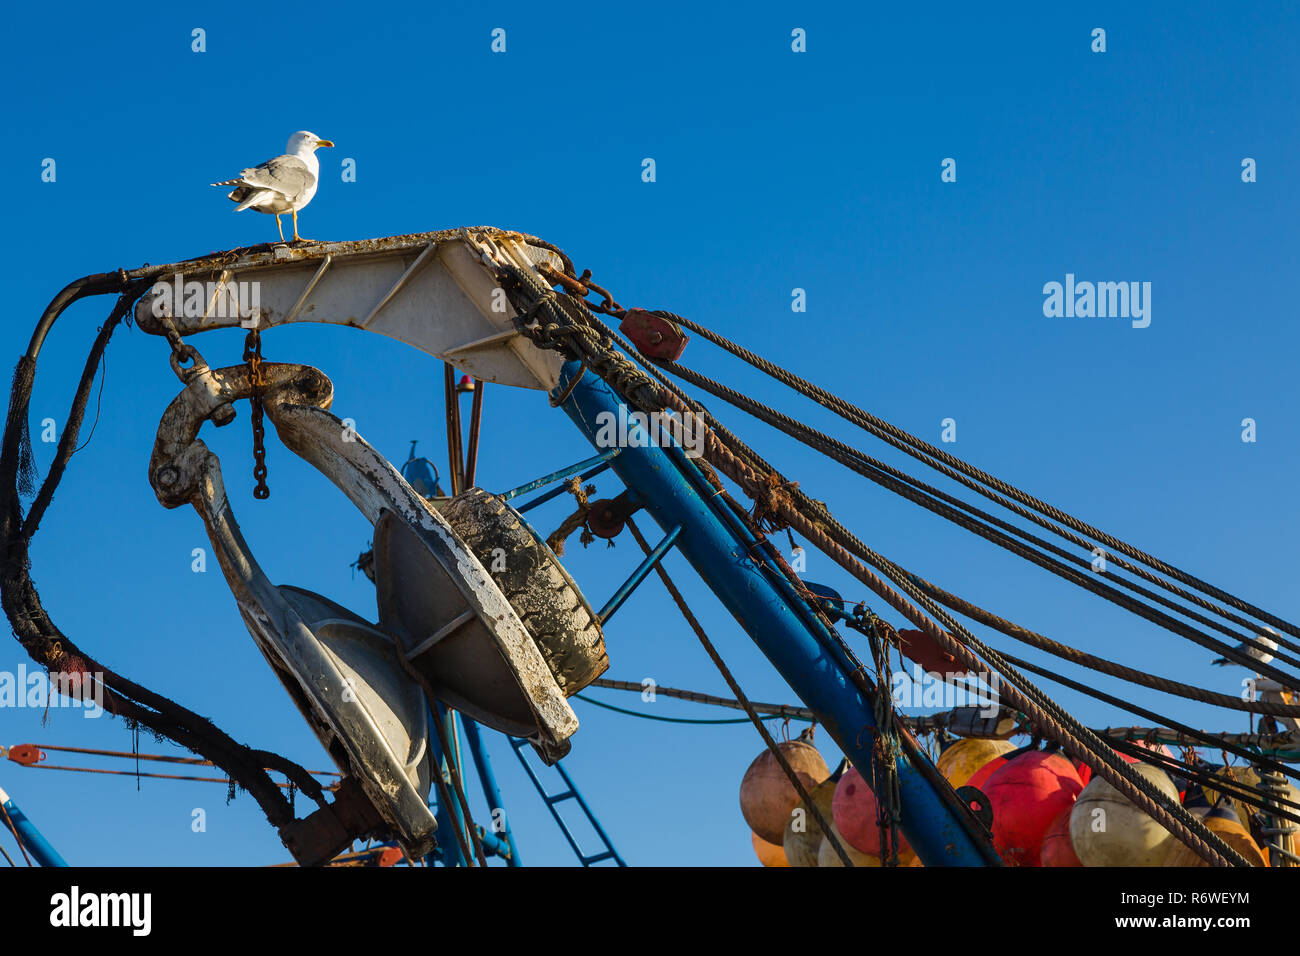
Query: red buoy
x,y
1027,795
1084,771
1057,850
854,810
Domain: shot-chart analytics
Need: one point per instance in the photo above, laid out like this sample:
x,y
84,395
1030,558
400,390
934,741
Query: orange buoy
x,y
854,809
960,761
768,854
1057,850
1245,778
1222,820
803,834
1108,829
1026,795
766,795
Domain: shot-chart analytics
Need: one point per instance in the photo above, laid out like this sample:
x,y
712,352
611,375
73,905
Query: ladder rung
x,y
571,793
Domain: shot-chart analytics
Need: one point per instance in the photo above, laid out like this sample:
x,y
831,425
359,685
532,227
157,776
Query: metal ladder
x,y
570,792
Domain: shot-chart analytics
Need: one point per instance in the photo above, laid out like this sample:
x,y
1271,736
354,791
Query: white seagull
x,y
280,185
1253,652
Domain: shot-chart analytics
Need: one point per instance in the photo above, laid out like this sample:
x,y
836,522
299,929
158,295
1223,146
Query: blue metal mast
x,y
31,838
676,494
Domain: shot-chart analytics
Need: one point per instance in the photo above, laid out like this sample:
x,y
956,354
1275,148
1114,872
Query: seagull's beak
x,y
323,142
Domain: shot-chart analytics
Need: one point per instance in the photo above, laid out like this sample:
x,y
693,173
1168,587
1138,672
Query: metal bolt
x,y
223,415
167,476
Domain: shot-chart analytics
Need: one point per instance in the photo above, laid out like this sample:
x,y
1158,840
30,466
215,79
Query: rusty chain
x,y
256,382
582,286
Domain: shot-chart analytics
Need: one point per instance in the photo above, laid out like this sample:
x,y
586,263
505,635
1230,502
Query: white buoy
x,y
1108,829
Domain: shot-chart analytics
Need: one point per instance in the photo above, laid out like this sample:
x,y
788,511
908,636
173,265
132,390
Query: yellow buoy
x,y
960,761
1107,829
1245,778
769,854
766,795
1223,821
803,834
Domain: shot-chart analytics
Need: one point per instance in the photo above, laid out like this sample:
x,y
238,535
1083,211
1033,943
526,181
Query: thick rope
x,y
1083,659
632,382
925,495
928,454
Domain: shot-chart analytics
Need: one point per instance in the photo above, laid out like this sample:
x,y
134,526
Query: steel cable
x,y
931,455
582,340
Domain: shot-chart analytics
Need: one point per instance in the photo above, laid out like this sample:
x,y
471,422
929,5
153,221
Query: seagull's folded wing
x,y
287,175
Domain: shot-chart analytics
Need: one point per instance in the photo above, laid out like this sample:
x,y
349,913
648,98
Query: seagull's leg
x,y
278,226
296,237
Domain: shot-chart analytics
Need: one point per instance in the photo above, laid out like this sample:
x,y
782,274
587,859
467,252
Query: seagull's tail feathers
x,y
248,196
228,182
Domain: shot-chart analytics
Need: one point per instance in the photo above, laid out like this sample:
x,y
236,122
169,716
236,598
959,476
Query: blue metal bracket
x,y
783,626
645,567
597,464
570,792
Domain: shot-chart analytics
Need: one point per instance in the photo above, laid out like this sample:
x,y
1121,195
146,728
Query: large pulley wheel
x,y
553,610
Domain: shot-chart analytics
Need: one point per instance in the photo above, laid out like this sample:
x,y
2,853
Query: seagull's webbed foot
x,y
296,237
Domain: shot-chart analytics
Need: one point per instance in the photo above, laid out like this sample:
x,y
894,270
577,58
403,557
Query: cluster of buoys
x,y
785,832
1047,810
1051,811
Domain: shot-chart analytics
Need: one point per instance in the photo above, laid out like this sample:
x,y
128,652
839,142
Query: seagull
x,y
280,185
1253,652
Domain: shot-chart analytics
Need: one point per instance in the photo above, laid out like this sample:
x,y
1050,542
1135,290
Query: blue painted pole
x,y
796,642
447,817
31,838
491,792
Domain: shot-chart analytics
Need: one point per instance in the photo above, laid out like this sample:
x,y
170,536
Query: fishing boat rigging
x,y
462,641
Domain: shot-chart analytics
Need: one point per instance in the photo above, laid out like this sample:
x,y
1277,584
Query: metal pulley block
x,y
353,680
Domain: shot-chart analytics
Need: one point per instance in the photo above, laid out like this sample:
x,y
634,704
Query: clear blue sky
x,y
775,170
